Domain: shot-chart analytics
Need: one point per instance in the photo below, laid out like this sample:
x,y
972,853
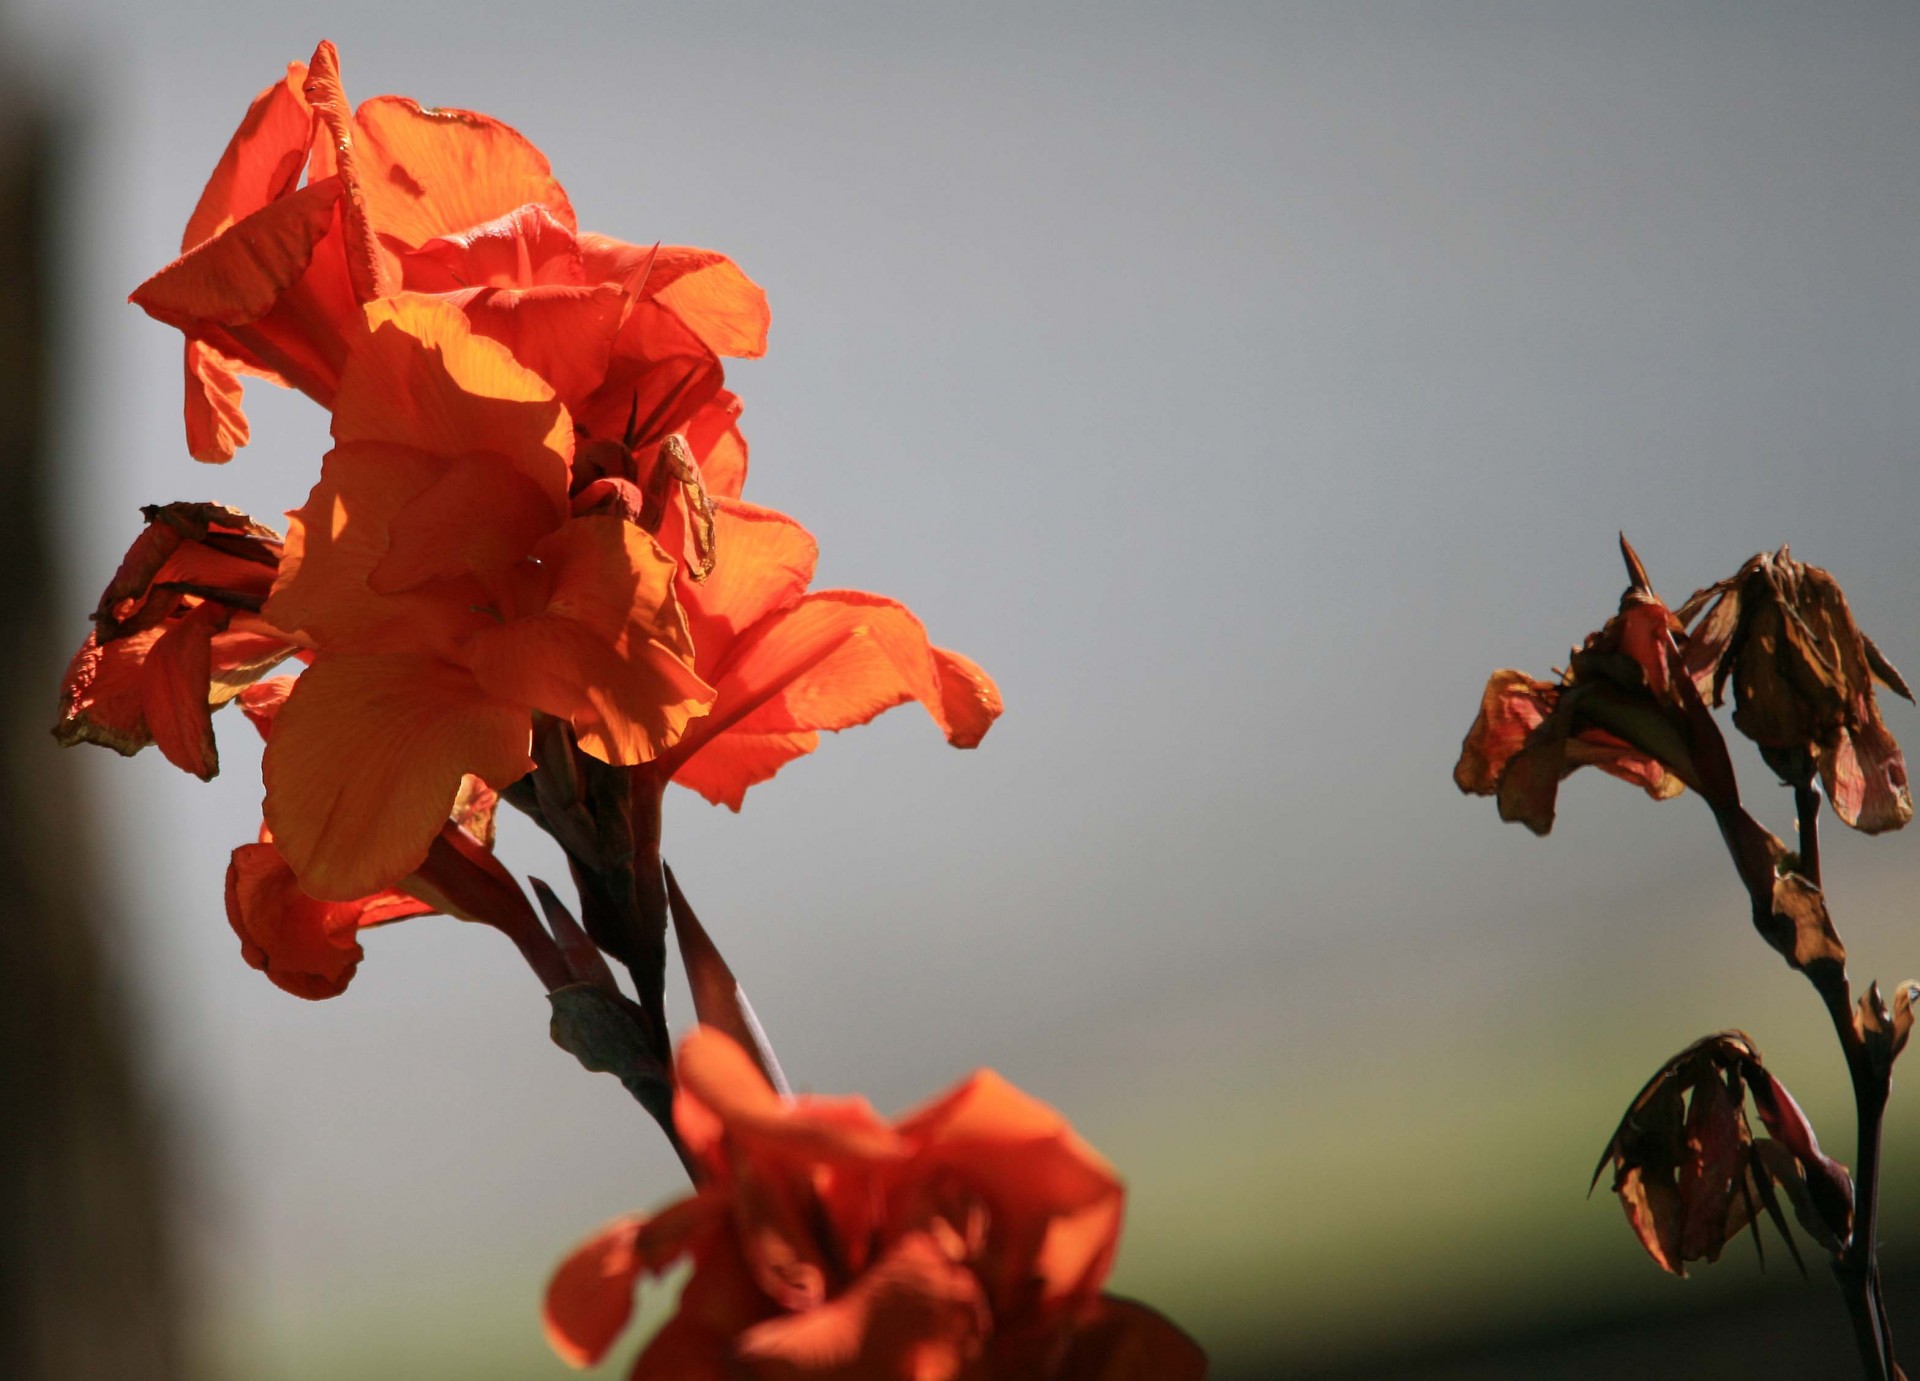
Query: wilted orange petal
x,y
100,696
425,379
366,759
173,692
435,172
1511,708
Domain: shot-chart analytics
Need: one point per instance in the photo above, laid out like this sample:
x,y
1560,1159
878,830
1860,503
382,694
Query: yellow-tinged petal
x,y
338,539
425,379
366,759
563,334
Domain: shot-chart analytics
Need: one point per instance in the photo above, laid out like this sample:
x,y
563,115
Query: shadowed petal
x,y
262,161
366,760
307,947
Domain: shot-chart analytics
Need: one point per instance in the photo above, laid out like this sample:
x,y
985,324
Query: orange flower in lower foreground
x,y
966,1242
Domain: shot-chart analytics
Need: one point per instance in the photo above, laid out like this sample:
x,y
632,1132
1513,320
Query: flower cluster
x,y
531,511
525,574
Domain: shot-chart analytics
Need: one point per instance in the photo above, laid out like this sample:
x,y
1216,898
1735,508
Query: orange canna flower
x,y
786,663
965,1242
176,635
448,594
273,272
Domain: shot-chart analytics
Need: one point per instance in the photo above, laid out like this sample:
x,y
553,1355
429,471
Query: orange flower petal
x,y
724,769
366,760
563,334
525,248
836,659
306,947
721,305
684,1351
725,1093
766,563
713,435
434,172
339,538
609,651
262,161
1055,1199
173,692
915,1315
425,379
659,376
239,275
590,1298
478,517
216,423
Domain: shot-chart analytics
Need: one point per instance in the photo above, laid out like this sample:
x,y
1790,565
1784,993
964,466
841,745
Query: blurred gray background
x,y
1239,385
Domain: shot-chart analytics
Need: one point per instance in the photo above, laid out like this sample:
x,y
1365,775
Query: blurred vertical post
x,y
86,1285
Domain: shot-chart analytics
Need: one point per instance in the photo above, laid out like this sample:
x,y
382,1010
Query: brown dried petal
x,y
1712,1169
1800,927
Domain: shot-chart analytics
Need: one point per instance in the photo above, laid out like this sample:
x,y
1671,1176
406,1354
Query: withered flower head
x,y
1803,677
1620,705
176,635
1690,1173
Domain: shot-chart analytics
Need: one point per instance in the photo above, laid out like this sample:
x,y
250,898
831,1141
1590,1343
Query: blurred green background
x,y
1239,384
